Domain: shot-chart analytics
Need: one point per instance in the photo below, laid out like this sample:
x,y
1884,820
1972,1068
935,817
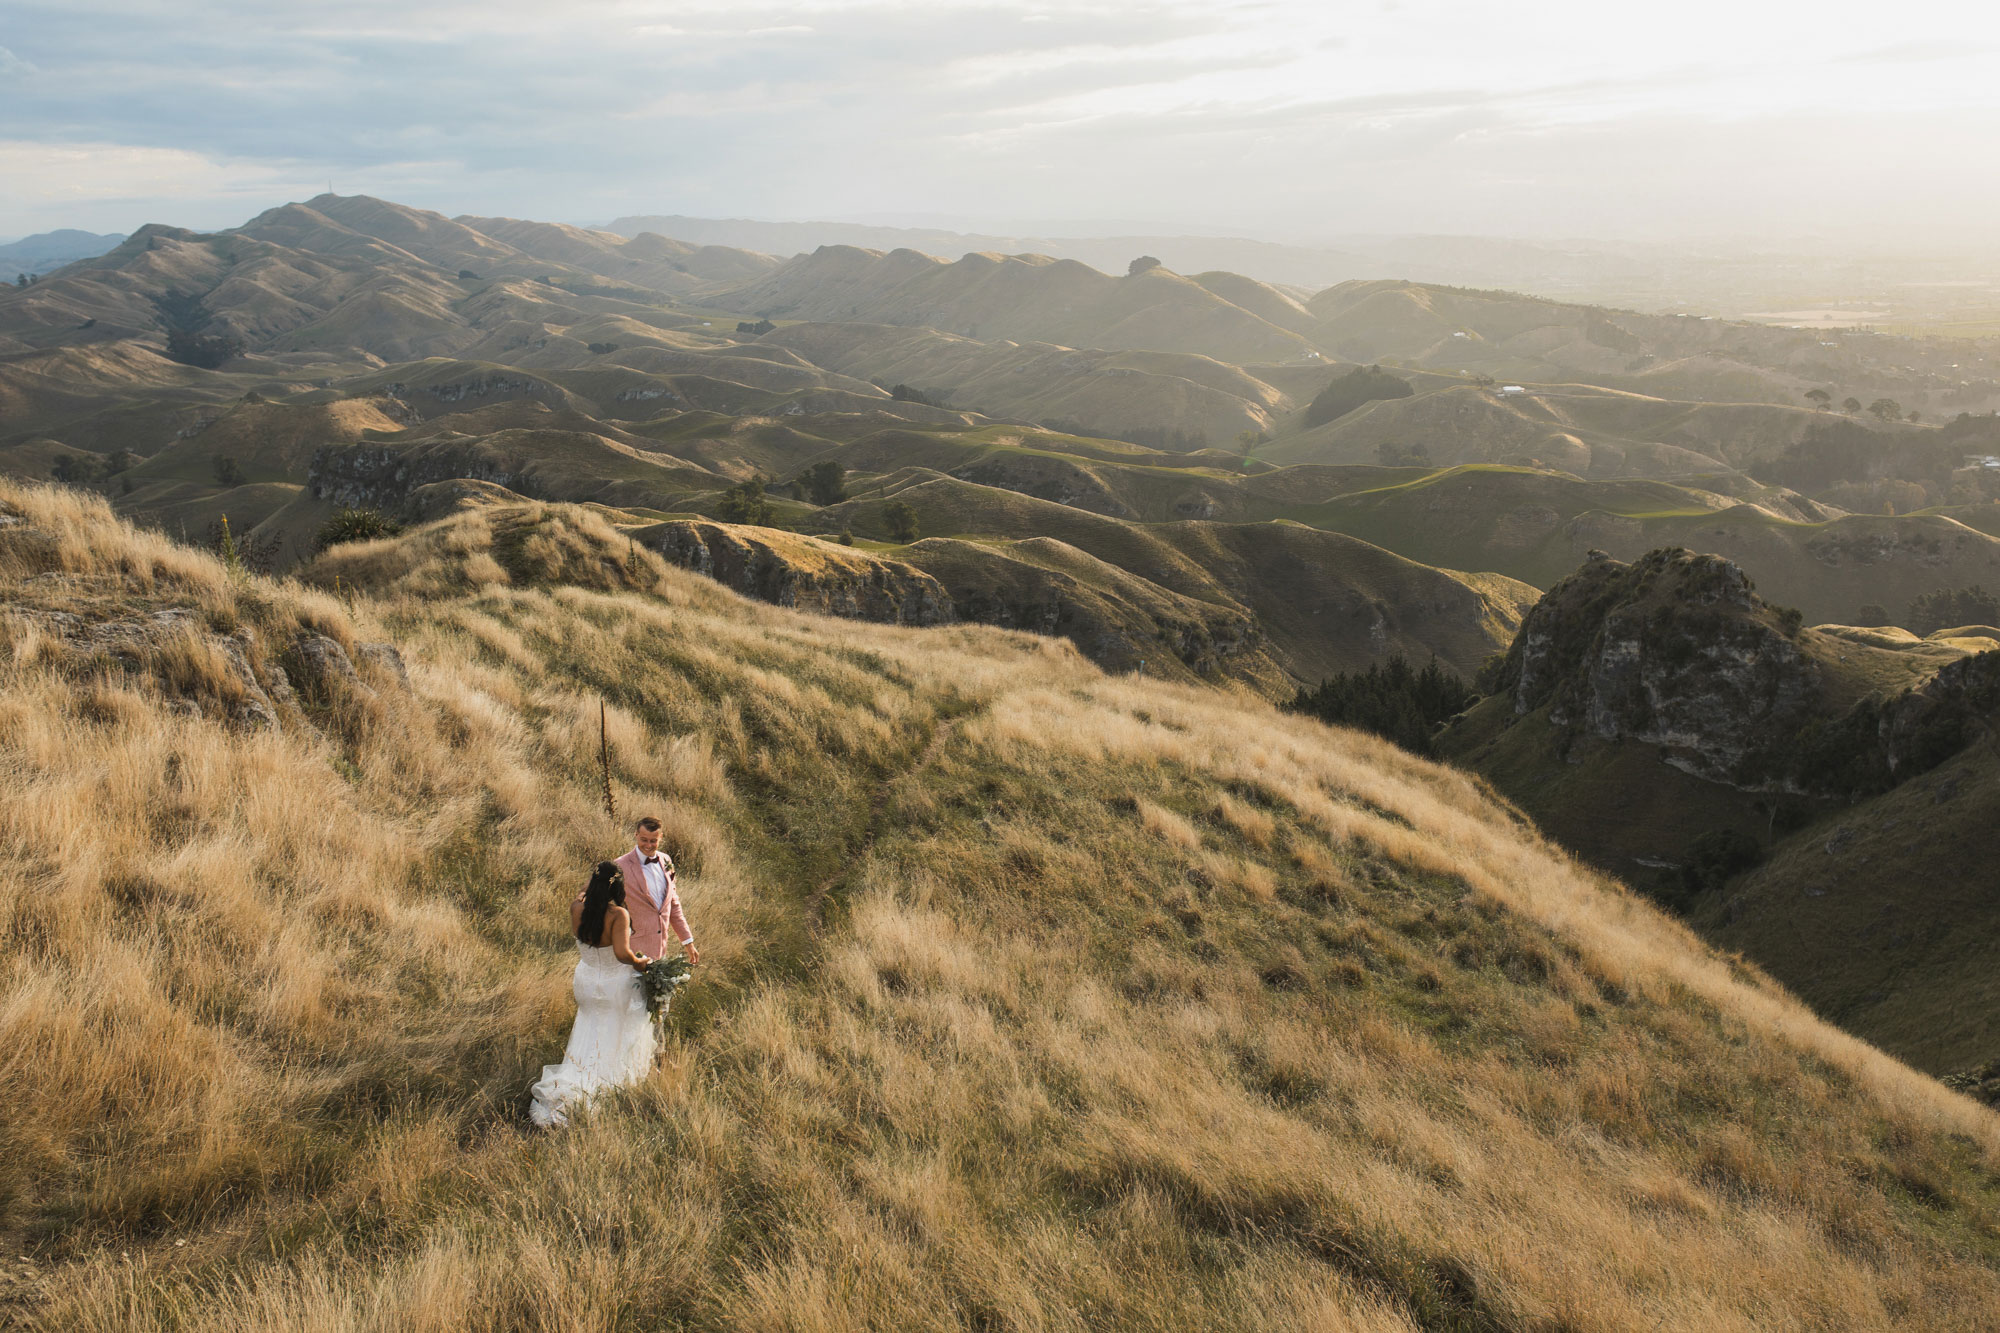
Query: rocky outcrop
x,y
199,671
803,572
1676,650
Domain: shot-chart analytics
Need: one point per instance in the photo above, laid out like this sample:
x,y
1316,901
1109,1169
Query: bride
x,y
612,1043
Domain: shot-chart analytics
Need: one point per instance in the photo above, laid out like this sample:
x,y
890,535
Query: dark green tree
x,y
825,482
745,503
901,521
228,472
1143,264
72,470
1819,398
205,351
1363,384
1395,701
1948,608
1885,409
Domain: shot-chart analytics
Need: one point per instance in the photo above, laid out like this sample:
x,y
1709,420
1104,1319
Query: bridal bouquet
x,y
662,977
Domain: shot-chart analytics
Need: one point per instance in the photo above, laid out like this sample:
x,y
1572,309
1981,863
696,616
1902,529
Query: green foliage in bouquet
x,y
662,977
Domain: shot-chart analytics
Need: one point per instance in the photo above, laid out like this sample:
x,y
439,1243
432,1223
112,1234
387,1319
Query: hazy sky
x,y
1285,120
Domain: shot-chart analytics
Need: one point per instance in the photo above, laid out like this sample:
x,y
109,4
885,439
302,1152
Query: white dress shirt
x,y
655,871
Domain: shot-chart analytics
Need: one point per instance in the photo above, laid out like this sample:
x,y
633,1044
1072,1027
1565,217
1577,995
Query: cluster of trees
x,y
206,351
89,470
1713,859
1948,608
1395,701
603,349
1836,451
755,328
905,393
1143,264
745,502
1882,409
1363,384
26,279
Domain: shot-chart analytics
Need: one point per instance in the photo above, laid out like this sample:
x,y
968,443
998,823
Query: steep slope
x,y
1647,711
1029,996
1885,916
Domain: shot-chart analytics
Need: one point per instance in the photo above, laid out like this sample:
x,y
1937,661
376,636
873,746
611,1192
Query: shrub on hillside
x,y
603,349
205,351
755,328
351,524
1397,702
1948,608
1363,384
245,551
1391,454
228,472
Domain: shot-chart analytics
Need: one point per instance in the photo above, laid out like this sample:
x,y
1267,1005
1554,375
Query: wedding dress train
x,y
612,1043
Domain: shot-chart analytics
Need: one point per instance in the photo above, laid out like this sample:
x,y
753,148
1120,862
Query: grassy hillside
x,y
1650,716
1884,916
1032,998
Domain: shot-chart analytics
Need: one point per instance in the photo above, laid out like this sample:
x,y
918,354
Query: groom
x,y
650,896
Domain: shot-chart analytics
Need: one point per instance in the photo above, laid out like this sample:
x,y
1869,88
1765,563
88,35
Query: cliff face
x,y
803,572
1674,650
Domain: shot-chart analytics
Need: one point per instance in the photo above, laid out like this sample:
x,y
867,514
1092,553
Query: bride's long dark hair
x,y
607,886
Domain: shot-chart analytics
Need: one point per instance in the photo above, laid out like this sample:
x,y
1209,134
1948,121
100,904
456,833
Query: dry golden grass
x,y
1033,999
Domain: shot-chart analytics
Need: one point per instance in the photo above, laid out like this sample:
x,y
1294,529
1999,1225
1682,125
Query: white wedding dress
x,y
611,1045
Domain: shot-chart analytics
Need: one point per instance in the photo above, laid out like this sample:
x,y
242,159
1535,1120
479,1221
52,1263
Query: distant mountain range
x,y
46,251
1720,277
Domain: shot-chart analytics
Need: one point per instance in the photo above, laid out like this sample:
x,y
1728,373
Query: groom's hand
x,y
694,954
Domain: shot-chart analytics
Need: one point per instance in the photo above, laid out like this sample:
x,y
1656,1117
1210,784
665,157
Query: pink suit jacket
x,y
649,923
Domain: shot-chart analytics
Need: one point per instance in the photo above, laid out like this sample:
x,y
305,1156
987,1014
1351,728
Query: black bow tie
x,y
650,860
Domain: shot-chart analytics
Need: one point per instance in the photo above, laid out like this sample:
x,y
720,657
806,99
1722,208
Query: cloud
x,y
1252,117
